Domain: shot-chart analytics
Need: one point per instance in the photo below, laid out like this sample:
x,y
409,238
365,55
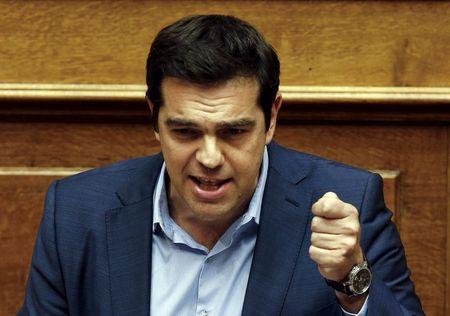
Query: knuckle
x,y
353,211
330,195
344,244
327,206
315,207
315,223
351,244
313,238
311,251
353,228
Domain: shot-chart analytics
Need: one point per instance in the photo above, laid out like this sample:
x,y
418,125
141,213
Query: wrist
x,y
351,304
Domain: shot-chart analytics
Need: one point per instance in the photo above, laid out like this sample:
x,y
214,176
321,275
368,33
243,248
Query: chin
x,y
212,212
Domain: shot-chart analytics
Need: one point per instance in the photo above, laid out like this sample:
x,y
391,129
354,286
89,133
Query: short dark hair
x,y
206,49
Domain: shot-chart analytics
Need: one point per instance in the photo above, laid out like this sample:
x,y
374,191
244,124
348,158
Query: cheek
x,y
247,165
176,156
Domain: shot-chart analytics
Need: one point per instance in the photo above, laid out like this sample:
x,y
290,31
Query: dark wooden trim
x,y
126,103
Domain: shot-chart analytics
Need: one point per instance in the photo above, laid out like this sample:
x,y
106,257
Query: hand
x,y
335,237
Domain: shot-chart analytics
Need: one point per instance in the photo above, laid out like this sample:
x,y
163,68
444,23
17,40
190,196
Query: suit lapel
x,y
129,249
284,217
129,242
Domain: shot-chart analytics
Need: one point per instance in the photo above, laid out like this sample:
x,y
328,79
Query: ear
x,y
276,105
150,106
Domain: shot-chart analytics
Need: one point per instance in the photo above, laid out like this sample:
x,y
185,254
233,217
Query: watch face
x,y
361,281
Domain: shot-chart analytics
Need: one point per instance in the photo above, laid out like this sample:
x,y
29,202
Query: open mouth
x,y
210,189
208,184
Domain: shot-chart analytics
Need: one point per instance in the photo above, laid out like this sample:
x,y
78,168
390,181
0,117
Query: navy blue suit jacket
x,y
93,249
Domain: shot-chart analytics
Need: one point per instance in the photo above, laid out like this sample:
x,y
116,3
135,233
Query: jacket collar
x,y
141,181
129,234
284,217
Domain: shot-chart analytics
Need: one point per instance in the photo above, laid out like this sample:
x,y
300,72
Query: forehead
x,y
235,97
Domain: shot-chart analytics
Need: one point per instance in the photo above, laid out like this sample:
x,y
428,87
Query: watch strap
x,y
340,286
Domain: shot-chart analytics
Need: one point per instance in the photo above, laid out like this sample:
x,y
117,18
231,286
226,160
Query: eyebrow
x,y
223,124
237,123
180,122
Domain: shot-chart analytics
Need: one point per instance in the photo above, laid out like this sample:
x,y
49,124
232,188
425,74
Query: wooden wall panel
x,y
73,144
21,204
447,301
375,43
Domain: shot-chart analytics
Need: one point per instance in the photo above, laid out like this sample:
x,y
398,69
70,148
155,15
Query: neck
x,y
206,232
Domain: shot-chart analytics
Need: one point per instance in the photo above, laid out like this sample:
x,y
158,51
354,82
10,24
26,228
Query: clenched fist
x,y
335,237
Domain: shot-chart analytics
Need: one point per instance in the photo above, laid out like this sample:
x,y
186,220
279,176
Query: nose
x,y
209,154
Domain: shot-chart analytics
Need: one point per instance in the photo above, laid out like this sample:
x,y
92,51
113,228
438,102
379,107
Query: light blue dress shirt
x,y
187,278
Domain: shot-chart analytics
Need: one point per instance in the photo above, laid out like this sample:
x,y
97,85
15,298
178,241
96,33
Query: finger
x,y
348,244
330,206
330,195
346,226
330,241
326,258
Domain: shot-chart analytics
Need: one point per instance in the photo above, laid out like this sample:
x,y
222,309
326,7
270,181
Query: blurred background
x,y
364,82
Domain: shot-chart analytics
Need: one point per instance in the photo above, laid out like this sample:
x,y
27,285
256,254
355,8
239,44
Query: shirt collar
x,y
161,216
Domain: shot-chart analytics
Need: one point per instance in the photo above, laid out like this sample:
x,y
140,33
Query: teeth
x,y
209,181
208,184
208,187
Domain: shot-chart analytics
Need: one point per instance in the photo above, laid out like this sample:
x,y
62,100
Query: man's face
x,y
212,139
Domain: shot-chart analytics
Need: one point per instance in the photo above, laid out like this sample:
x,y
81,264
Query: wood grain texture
x,y
343,43
39,171
21,205
73,145
447,305
126,103
20,92
21,201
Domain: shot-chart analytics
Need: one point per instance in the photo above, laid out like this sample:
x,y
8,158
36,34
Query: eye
x,y
236,131
233,132
185,132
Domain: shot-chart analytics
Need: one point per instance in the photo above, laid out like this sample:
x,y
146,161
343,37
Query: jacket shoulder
x,y
99,187
291,163
320,175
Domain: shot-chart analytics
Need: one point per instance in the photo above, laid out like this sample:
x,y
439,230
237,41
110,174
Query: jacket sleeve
x,y
391,291
45,292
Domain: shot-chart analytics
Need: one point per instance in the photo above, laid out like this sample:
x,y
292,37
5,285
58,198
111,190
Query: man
x,y
224,221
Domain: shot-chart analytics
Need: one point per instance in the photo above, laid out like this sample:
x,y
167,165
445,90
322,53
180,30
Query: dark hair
x,y
205,49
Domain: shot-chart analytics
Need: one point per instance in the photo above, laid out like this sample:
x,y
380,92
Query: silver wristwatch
x,y
356,283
